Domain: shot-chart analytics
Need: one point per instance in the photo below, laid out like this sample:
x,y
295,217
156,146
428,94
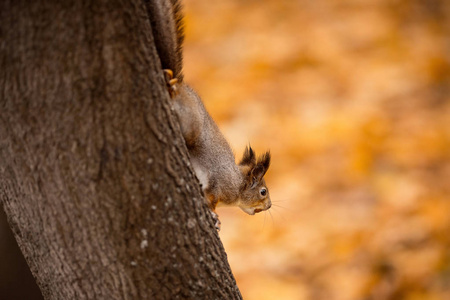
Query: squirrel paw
x,y
216,220
170,82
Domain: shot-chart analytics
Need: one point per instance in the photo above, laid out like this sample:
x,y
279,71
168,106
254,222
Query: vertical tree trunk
x,y
94,174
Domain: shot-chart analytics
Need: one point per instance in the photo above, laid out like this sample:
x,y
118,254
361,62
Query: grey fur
x,y
223,182
213,161
209,150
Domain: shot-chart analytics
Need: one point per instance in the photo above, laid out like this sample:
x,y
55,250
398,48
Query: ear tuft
x,y
260,169
248,158
264,160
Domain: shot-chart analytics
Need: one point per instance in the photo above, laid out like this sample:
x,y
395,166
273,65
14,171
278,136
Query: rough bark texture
x,y
94,174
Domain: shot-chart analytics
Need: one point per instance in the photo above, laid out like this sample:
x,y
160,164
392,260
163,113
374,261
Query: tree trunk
x,y
94,173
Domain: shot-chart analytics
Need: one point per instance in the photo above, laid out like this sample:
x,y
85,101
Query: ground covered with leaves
x,y
353,100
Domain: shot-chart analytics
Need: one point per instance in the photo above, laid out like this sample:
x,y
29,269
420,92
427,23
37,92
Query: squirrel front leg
x,y
212,203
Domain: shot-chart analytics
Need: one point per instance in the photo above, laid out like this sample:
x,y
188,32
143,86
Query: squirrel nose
x,y
269,205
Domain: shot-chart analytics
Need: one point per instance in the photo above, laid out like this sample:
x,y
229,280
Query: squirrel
x,y
222,180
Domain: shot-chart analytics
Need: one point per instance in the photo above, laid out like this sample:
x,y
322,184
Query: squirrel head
x,y
254,196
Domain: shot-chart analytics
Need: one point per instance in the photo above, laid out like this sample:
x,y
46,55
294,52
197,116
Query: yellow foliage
x,y
353,100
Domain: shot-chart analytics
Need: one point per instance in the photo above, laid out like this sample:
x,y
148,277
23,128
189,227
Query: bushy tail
x,y
166,19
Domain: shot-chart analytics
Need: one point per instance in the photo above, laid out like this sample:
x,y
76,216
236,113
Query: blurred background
x,y
353,100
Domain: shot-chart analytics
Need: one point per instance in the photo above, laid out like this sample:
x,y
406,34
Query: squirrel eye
x,y
263,191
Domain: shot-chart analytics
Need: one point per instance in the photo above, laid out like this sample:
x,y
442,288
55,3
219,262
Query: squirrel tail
x,y
179,24
166,20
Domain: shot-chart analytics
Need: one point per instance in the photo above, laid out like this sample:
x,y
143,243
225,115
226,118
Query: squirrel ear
x,y
261,167
265,161
257,173
249,157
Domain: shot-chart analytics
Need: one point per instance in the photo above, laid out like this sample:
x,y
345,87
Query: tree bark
x,y
94,174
